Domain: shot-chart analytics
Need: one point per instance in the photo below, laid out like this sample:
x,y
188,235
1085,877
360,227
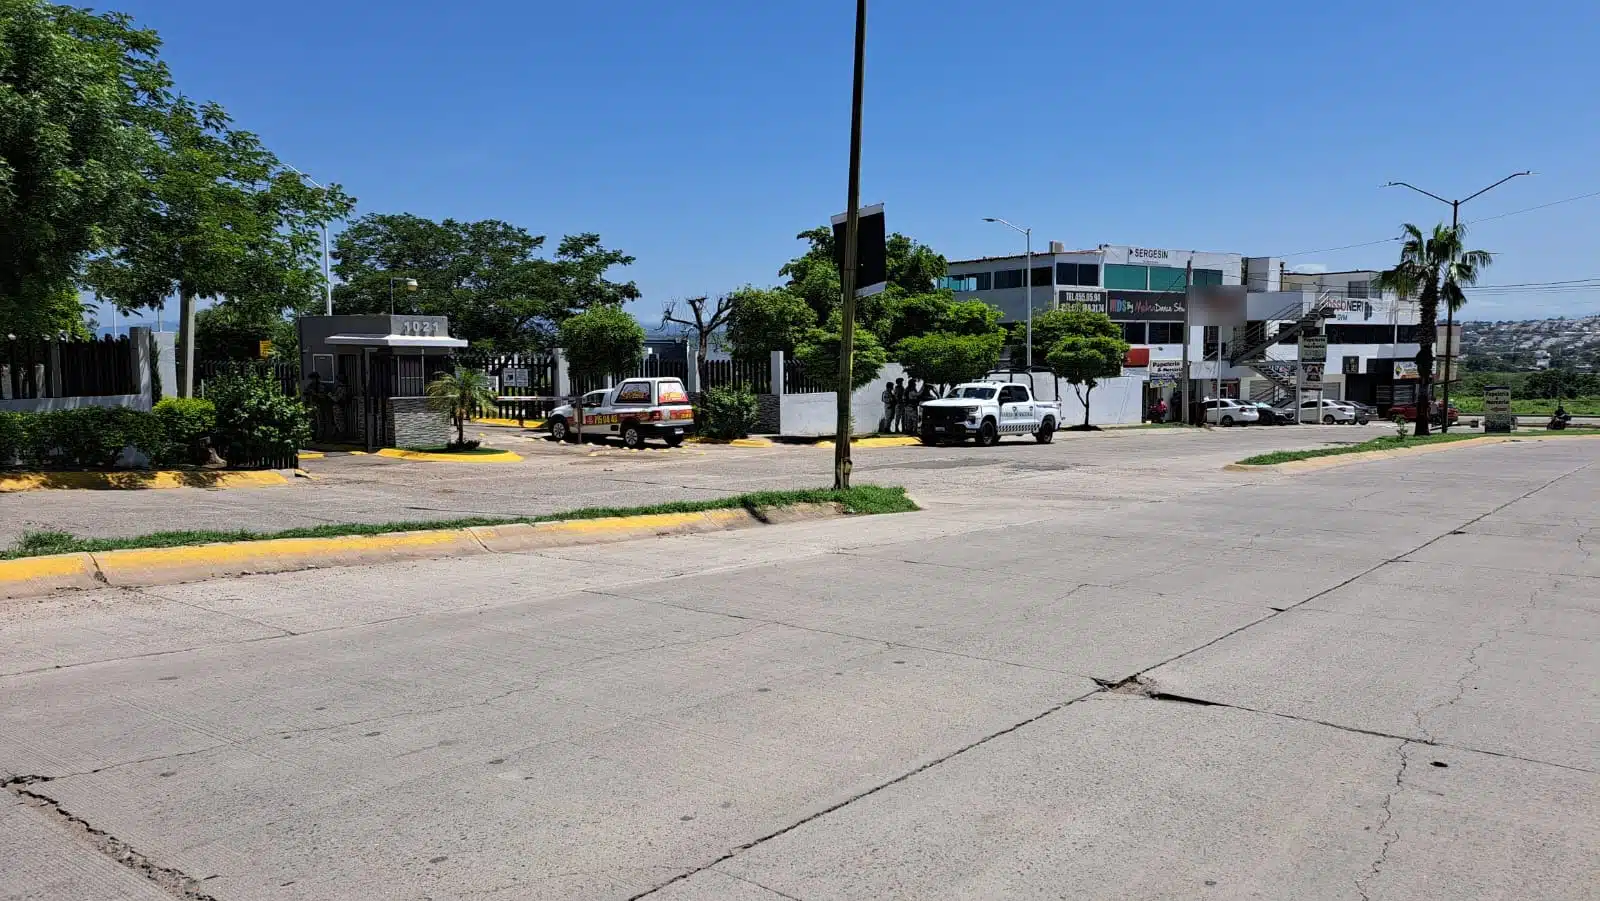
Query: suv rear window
x,y
670,391
635,392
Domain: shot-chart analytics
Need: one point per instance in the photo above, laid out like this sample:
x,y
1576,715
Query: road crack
x,y
170,879
1393,835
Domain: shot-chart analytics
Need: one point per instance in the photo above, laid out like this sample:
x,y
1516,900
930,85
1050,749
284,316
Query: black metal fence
x,y
650,367
753,374
51,367
285,375
796,380
530,376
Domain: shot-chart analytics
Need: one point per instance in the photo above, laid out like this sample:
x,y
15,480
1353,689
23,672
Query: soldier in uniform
x,y
908,408
886,421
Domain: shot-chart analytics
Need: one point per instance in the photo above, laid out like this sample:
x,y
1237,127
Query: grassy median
x,y
1386,443
860,500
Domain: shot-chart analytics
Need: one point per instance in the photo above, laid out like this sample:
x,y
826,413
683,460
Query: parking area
x,y
1079,468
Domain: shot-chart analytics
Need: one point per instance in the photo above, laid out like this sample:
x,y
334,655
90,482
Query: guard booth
x,y
366,378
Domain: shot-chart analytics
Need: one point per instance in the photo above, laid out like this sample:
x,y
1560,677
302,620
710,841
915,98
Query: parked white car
x,y
1325,411
1229,412
633,411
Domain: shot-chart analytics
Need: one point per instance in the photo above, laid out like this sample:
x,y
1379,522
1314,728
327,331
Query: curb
x,y
894,441
732,442
426,457
131,480
35,576
510,423
1329,462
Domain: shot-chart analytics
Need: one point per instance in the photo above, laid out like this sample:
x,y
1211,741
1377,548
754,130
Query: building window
x,y
1358,290
1042,275
1127,278
1166,333
1132,332
1166,278
981,277
1082,274
1352,366
1204,277
1005,279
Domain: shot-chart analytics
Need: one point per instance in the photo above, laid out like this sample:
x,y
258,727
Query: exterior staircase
x,y
1252,350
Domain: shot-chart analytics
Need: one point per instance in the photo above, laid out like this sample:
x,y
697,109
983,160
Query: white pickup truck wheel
x,y
559,430
1047,431
988,434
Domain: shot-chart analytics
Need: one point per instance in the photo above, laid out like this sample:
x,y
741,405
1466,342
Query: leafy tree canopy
x,y
76,91
944,358
911,268
1089,347
818,352
602,341
484,275
762,320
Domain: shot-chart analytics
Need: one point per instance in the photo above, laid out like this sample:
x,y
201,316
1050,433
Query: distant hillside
x,y
1531,343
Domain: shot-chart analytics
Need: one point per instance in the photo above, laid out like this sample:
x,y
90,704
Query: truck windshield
x,y
976,392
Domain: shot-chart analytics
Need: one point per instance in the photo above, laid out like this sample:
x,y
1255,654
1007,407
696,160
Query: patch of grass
x,y
860,500
1472,405
1386,443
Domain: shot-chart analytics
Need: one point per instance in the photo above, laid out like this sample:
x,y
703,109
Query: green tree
x,y
705,318
598,342
76,92
1049,327
1432,268
763,320
818,352
216,215
484,275
1090,348
943,358
458,395
910,268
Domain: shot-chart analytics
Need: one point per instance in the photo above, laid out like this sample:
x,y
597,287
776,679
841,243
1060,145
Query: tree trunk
x,y
461,430
1086,406
1428,328
185,354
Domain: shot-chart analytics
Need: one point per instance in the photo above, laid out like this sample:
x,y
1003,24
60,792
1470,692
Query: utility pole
x,y
1188,301
1450,311
847,276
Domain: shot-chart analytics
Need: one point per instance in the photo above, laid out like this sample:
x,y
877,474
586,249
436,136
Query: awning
x,y
396,341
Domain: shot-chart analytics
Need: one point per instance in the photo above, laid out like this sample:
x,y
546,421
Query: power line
x,y
1542,206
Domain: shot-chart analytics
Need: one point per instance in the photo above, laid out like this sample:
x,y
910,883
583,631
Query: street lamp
x,y
327,276
1450,310
410,285
1027,277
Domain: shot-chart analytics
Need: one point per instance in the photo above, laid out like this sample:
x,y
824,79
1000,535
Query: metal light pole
x,y
1450,311
410,283
1027,277
847,276
327,275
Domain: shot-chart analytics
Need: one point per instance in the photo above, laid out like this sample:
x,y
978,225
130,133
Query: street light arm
x,y
1401,184
1016,228
1499,183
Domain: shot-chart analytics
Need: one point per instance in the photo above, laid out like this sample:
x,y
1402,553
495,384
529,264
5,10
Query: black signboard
x,y
1145,306
871,259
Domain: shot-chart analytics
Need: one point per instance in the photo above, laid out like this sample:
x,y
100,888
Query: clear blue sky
x,y
701,135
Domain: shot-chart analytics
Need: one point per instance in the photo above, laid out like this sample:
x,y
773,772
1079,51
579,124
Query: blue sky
x,y
701,135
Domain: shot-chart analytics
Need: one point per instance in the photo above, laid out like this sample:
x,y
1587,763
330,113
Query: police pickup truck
x,y
635,410
987,411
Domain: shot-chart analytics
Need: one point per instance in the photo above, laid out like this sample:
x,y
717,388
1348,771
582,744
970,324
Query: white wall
x,y
139,402
817,415
1118,401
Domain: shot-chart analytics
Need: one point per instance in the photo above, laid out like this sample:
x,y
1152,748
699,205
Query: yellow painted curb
x,y
137,479
890,441
512,423
1329,462
424,456
33,576
312,455
732,442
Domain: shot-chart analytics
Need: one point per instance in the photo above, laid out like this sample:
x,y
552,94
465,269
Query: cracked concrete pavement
x,y
1371,682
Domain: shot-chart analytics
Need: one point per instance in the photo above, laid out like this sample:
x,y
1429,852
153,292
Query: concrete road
x,y
555,477
1153,681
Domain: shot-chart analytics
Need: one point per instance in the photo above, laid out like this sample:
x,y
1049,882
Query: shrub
x,y
729,411
255,419
187,423
89,437
13,437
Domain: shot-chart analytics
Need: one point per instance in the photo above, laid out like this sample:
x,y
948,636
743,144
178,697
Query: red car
x,y
1409,413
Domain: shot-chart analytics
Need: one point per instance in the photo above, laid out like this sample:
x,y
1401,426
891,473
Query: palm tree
x,y
459,395
1433,267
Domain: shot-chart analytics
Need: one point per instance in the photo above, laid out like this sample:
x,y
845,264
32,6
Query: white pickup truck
x,y
987,411
633,411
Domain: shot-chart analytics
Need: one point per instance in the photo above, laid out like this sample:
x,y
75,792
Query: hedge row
x,y
95,437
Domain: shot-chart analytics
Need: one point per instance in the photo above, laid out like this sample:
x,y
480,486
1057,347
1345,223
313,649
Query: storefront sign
x,y
1406,369
1165,372
1087,301
1148,256
515,378
1314,348
1144,306
1311,374
1497,409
